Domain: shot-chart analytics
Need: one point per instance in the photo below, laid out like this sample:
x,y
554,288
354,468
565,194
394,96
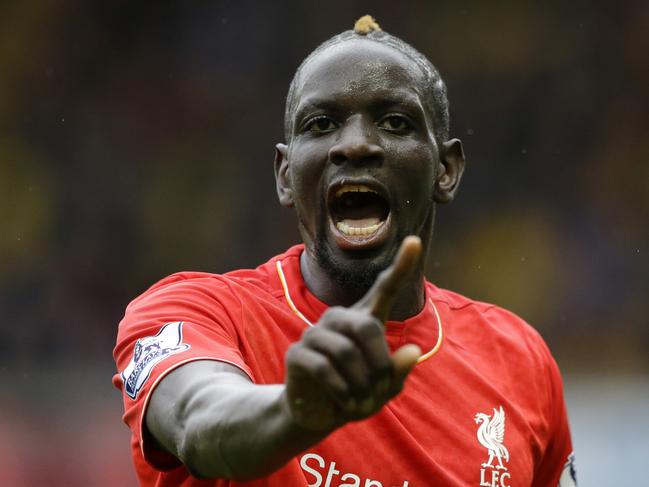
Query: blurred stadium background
x,y
136,139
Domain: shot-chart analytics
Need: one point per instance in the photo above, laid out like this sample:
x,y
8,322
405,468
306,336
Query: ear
x,y
449,171
282,177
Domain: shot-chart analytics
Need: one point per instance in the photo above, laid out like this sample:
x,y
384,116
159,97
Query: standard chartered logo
x,y
323,474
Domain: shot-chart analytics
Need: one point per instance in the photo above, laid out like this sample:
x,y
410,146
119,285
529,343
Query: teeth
x,y
353,188
367,230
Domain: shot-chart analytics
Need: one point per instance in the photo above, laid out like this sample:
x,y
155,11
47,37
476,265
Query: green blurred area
x,y
136,140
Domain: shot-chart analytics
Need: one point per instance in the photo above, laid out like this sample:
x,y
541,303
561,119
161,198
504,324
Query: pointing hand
x,y
342,370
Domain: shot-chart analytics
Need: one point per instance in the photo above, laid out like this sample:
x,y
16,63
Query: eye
x,y
395,123
320,125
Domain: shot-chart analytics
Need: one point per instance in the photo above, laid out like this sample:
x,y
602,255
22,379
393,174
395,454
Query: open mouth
x,y
359,214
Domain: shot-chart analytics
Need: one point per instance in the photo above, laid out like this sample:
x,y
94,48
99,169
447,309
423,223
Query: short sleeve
x,y
176,322
556,467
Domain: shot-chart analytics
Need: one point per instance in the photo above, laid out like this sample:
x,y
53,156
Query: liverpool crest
x,y
491,435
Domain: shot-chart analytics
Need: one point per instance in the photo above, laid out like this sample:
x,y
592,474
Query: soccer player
x,y
337,363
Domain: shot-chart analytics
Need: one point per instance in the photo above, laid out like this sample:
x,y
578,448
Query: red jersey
x,y
484,406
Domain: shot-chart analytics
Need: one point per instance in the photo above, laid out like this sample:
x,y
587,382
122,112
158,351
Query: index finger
x,y
379,299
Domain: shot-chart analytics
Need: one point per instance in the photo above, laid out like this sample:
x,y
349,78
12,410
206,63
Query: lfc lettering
x,y
494,478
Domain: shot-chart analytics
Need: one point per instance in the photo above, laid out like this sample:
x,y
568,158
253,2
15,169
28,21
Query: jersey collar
x,y
424,329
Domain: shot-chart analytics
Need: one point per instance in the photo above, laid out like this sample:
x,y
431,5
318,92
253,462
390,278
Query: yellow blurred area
x,y
503,255
186,213
27,188
25,34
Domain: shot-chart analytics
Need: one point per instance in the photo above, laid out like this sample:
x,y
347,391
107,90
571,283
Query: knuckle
x,y
348,323
319,366
293,354
334,312
293,350
347,351
334,317
309,334
368,329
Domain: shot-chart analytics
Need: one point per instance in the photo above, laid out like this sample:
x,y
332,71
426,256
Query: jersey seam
x,y
487,306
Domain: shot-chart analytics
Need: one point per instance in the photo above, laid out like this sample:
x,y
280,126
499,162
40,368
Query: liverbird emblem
x,y
491,434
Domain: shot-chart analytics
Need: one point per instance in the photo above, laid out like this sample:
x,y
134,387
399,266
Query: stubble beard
x,y
354,276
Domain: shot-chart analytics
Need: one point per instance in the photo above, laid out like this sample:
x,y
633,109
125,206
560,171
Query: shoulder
x,y
503,346
186,288
206,310
203,291
484,323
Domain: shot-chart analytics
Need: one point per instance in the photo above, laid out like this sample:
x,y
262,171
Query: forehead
x,y
359,68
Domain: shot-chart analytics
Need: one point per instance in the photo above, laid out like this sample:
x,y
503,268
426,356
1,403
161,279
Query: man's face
x,y
361,164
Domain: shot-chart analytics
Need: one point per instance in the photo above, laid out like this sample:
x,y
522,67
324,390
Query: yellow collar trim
x,y
291,304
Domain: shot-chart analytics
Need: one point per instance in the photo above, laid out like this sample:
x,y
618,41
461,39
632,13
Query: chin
x,y
355,270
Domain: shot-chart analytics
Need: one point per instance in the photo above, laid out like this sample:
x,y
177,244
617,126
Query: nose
x,y
356,144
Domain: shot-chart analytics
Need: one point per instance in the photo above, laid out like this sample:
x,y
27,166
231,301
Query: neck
x,y
408,302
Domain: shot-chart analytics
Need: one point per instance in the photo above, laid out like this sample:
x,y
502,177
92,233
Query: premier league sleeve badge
x,y
148,352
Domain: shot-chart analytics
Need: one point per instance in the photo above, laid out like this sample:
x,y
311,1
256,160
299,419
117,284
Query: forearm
x,y
249,430
231,428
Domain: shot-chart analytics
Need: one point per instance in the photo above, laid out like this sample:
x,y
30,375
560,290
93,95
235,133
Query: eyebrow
x,y
326,104
392,99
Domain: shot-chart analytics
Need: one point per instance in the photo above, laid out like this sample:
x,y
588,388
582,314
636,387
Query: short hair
x,y
366,27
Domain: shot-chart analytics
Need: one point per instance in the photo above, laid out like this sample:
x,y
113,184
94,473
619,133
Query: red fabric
x,y
426,436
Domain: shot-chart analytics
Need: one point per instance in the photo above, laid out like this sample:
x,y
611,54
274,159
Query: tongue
x,y
361,222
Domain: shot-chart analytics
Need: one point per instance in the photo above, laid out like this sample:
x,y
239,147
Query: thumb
x,y
404,360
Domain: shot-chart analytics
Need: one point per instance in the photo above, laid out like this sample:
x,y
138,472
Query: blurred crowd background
x,y
136,140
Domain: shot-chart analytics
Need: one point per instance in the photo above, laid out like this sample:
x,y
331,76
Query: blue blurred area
x,y
137,139
609,426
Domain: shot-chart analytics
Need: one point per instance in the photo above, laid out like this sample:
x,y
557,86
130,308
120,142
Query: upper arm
x,y
556,467
166,329
554,463
186,391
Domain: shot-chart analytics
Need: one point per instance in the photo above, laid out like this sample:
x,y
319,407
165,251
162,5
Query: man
x,y
337,363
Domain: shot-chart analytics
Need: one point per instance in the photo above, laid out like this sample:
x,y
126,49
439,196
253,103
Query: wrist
x,y
295,426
